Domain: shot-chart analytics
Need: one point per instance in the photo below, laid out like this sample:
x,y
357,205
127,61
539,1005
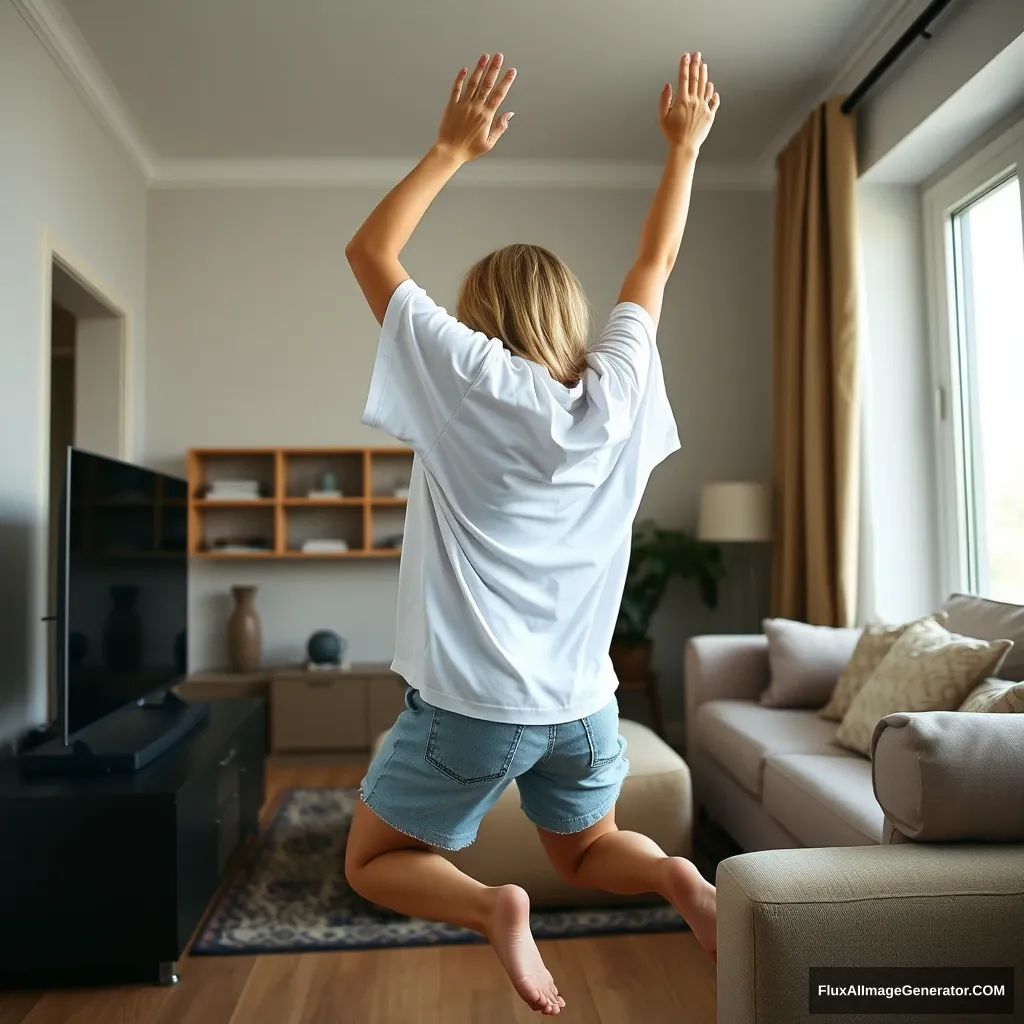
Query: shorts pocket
x,y
602,729
471,751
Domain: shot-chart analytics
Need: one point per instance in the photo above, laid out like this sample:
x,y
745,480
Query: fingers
x,y
682,89
694,75
490,77
460,80
715,100
702,80
501,90
499,128
665,103
474,80
709,91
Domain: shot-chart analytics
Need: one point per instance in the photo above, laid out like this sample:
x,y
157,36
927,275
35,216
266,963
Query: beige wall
x,y
65,182
258,335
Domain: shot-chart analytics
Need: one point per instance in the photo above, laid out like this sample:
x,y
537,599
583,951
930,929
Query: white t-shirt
x,y
521,508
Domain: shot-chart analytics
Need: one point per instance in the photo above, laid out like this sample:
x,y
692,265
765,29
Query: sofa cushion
x,y
739,734
990,620
823,800
805,662
928,669
996,696
874,644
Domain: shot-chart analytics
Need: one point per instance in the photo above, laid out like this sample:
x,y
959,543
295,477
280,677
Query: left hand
x,y
470,125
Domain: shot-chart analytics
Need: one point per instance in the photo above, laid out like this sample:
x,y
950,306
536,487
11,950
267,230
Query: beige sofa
x,y
945,888
773,778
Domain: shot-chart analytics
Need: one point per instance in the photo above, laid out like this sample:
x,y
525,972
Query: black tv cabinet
x,y
105,878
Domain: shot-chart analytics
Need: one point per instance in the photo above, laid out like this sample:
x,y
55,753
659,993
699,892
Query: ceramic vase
x,y
244,635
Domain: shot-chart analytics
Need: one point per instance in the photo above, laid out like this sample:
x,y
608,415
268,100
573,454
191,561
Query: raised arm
x,y
470,126
685,123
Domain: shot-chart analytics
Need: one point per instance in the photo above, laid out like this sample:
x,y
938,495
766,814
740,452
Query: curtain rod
x,y
919,28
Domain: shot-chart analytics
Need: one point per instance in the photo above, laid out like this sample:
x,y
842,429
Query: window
x,y
976,219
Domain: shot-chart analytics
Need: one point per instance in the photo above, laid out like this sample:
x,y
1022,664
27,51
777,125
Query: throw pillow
x,y
995,695
873,646
805,661
927,669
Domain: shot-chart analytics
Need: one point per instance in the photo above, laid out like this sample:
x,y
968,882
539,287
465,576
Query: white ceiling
x,y
366,79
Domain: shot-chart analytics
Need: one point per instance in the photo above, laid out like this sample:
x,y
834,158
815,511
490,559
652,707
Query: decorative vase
x,y
244,636
122,633
632,662
326,649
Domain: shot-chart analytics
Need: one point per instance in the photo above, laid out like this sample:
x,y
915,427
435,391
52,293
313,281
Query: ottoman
x,y
655,800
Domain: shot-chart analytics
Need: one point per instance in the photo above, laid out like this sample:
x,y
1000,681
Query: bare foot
x,y
686,889
509,933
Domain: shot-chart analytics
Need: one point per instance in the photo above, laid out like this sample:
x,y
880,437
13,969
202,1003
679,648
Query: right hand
x,y
687,118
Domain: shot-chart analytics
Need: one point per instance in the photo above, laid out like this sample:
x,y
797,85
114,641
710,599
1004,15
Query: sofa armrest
x,y
781,912
951,776
721,668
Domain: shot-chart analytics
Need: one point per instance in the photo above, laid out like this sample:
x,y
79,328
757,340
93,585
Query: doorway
x,y
88,399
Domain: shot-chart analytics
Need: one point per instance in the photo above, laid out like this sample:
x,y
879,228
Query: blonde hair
x,y
529,299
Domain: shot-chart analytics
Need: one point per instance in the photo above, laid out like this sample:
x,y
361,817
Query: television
x,y
121,617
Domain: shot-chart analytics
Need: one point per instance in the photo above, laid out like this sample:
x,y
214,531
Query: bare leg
x,y
396,871
627,863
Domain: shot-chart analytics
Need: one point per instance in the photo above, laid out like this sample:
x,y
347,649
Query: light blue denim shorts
x,y
438,773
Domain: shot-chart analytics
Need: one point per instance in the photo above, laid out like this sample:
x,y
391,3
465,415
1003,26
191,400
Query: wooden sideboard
x,y
312,712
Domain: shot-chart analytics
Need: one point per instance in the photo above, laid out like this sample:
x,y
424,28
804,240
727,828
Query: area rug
x,y
292,896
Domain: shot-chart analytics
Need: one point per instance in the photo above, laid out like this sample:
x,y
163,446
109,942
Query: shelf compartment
x,y
211,466
389,471
323,523
232,524
304,471
386,524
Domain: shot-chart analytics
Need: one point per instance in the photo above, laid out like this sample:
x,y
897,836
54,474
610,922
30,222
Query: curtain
x,y
815,377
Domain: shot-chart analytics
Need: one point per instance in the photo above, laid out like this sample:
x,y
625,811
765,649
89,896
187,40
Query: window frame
x,y
949,355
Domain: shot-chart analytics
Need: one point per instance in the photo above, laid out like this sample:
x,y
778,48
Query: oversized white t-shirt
x,y
521,508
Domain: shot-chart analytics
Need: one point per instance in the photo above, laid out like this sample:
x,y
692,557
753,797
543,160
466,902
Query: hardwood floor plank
x,y
209,990
408,987
129,1004
16,1006
276,990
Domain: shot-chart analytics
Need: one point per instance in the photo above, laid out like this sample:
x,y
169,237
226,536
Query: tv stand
x,y
105,878
125,741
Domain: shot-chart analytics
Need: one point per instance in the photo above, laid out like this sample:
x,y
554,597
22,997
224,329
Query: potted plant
x,y
657,556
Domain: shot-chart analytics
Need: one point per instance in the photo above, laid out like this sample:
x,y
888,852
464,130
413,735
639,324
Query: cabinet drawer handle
x,y
320,682
228,757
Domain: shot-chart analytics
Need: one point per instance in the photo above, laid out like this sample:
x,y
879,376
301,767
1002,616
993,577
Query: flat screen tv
x,y
122,594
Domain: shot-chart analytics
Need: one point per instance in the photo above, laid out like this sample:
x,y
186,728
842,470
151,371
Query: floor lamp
x,y
737,513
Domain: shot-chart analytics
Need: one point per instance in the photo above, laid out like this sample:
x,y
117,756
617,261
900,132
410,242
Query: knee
x,y
568,868
355,867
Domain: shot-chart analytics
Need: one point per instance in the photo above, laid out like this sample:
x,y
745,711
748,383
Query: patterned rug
x,y
292,896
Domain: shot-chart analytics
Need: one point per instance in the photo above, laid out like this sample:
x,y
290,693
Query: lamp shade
x,y
735,513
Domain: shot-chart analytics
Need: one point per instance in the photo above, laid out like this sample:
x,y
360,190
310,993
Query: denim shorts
x,y
438,772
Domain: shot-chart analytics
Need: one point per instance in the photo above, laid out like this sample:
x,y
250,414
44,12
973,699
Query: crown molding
x,y
860,61
72,54
487,173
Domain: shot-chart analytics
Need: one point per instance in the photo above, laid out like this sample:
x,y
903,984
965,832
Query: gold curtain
x,y
815,380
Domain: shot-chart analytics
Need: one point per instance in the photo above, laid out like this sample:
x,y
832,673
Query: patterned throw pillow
x,y
875,643
927,669
995,695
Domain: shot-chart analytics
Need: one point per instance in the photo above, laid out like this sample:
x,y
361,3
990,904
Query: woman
x,y
532,455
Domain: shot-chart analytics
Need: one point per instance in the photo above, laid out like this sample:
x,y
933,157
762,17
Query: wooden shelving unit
x,y
368,516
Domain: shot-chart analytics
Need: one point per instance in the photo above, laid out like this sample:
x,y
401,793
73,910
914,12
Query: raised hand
x,y
471,125
686,119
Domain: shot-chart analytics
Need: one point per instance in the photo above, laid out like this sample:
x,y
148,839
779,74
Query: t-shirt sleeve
x,y
631,383
427,362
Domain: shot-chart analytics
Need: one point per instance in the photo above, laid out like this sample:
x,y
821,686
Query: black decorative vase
x,y
122,634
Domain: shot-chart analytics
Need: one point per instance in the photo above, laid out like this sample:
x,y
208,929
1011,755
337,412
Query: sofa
x,y
943,886
774,778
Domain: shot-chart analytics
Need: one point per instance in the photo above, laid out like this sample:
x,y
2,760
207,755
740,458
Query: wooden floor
x,y
656,979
